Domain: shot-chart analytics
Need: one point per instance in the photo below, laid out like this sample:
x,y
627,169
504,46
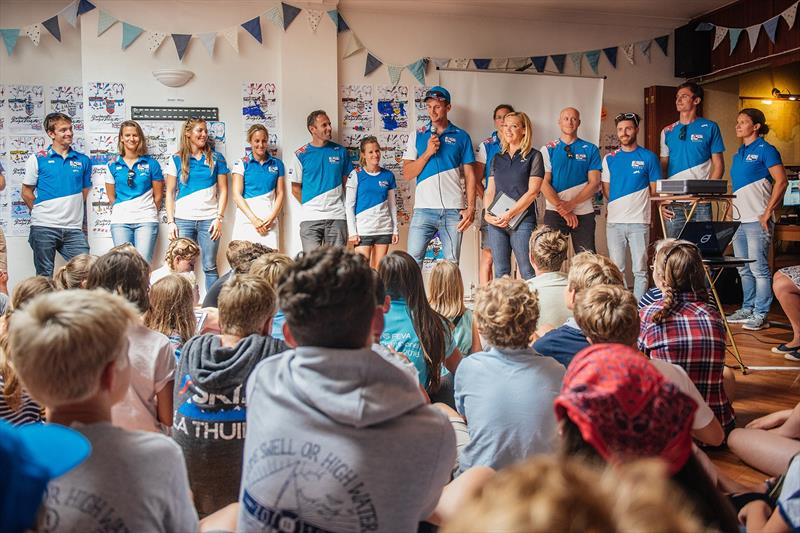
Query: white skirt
x,y
244,230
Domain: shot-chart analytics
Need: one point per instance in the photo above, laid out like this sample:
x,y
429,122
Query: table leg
x,y
734,347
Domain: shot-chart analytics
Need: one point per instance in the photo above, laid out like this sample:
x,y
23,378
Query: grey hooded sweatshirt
x,y
341,441
209,421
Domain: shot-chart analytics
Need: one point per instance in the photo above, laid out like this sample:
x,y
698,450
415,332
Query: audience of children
x,y
548,252
446,296
171,311
270,267
240,255
73,273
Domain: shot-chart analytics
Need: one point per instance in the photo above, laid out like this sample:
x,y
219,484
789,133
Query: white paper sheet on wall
x,y
357,107
106,106
67,99
3,107
421,118
393,111
393,145
98,209
25,105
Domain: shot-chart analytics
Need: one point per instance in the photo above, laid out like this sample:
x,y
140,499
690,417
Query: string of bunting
x,y
753,32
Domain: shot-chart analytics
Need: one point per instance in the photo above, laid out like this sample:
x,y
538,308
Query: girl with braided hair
x,y
684,328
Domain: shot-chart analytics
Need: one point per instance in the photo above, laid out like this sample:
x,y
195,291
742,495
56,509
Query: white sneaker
x,y
756,322
740,317
782,349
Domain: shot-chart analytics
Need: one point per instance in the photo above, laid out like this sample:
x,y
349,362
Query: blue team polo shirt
x,y
260,179
750,178
570,174
488,149
629,175
321,170
197,198
439,182
134,204
690,158
59,183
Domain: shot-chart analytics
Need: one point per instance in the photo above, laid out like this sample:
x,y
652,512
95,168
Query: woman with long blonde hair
x,y
515,178
135,188
258,191
197,193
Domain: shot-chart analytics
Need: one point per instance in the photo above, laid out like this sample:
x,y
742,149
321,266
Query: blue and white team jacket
x,y
629,175
570,165
197,198
439,183
488,148
321,170
59,183
370,202
750,178
690,156
134,204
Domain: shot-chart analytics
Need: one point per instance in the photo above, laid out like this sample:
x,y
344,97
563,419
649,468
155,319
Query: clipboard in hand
x,y
502,204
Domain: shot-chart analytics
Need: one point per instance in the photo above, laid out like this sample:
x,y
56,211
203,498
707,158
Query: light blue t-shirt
x,y
277,325
399,333
690,150
507,398
789,500
751,180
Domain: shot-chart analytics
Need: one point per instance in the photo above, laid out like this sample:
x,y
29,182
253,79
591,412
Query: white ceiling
x,y
651,13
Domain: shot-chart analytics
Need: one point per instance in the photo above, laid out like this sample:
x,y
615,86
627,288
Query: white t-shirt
x,y
677,375
152,361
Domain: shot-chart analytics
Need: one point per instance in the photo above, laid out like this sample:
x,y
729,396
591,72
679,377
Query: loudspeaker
x,y
692,51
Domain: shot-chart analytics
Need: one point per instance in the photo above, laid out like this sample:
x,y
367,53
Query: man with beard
x,y
629,178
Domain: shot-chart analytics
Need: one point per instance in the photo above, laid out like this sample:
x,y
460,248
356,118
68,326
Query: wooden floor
x,y
761,392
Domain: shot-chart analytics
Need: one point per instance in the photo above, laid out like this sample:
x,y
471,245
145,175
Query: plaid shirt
x,y
693,337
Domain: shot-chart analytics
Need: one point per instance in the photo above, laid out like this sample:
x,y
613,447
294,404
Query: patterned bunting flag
x,y
129,34
518,63
482,64
539,62
593,57
181,43
51,25
663,43
790,14
771,26
253,27
313,17
417,69
208,40
274,15
752,35
441,62
458,63
558,61
84,6
154,40
371,64
611,55
33,32
232,36
498,63
70,13
353,45
104,22
719,34
10,36
627,51
576,58
394,74
644,48
735,33
289,14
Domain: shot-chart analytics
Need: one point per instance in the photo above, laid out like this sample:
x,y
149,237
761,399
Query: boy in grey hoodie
x,y
209,399
338,439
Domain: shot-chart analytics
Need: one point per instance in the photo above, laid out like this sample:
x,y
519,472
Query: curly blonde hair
x,y
548,248
180,248
506,313
607,313
589,269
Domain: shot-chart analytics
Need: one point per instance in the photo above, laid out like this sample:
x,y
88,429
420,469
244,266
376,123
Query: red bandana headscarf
x,y
625,408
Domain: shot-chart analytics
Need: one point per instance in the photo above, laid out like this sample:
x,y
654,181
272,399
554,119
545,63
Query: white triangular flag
x,y
33,32
394,74
313,16
353,45
440,62
752,35
790,14
154,40
498,63
515,63
719,34
627,51
459,63
208,40
70,13
232,36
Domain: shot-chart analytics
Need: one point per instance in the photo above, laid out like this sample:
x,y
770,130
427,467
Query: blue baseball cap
x,y
30,456
439,93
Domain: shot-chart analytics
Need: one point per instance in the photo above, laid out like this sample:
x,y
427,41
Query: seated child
x,y
270,267
446,296
682,328
71,352
73,274
210,404
758,516
182,253
334,423
588,269
548,252
240,255
148,404
506,393
768,443
171,310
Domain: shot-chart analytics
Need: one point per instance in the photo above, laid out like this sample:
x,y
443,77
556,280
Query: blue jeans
x,y
424,225
753,242
674,226
634,236
502,241
46,241
197,230
142,236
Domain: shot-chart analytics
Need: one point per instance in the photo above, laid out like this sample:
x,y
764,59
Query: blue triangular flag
x,y
372,63
770,26
704,26
104,22
482,64
611,54
289,14
181,43
417,68
593,57
338,21
51,25
129,34
10,36
662,42
539,63
84,7
253,27
733,35
558,61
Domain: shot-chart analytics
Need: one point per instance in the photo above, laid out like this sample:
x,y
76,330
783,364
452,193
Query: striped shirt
x,y
28,412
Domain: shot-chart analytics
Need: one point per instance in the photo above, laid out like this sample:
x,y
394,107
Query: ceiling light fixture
x,y
785,95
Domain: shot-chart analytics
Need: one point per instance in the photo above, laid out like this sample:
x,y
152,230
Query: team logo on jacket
x,y
697,137
333,159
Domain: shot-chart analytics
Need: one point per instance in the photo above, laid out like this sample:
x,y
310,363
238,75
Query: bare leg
x,y
788,294
366,251
222,520
485,267
456,493
791,428
763,450
378,253
729,383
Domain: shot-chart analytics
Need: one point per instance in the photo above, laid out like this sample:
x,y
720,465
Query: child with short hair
x,y
342,426
210,403
148,404
506,393
171,310
588,269
73,274
182,253
71,352
271,267
446,296
240,255
548,248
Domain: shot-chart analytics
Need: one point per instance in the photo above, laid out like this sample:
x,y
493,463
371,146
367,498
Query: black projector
x,y
692,186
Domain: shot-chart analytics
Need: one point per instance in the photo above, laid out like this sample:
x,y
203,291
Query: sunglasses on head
x,y
568,151
131,175
627,116
682,133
